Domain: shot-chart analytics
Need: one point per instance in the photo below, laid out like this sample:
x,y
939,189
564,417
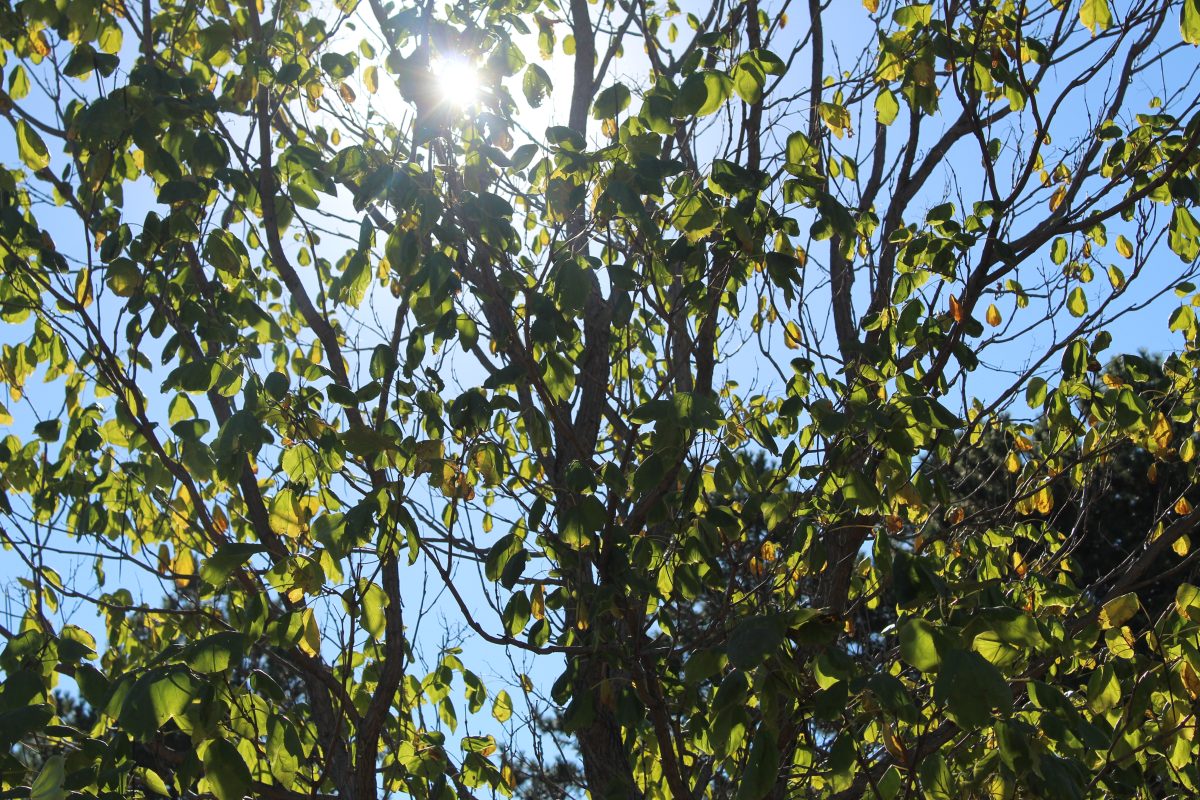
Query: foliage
x,y
323,354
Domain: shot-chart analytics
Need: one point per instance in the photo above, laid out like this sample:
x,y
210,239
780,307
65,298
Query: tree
x,y
296,331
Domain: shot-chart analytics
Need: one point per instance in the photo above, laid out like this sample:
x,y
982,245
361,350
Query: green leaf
x,y
1103,689
1184,235
702,93
153,781
276,385
1035,393
337,66
919,643
48,785
762,767
226,771
284,751
216,653
153,699
220,565
536,85
910,16
936,779
754,639
611,102
886,106
970,687
31,148
17,723
749,79
374,616
18,83
1187,601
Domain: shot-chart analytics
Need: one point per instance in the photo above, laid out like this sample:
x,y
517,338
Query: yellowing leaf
x,y
31,148
1183,507
502,707
1119,610
1124,247
1012,463
371,79
871,5
1077,302
1095,15
993,315
1189,21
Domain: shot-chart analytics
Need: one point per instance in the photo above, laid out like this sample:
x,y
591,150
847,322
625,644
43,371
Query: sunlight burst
x,y
458,81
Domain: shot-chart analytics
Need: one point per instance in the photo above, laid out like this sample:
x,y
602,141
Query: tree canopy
x,y
735,387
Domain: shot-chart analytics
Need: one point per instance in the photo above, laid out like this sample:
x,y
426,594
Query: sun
x,y
457,81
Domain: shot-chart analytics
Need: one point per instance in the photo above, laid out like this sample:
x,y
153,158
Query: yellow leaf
x,y
892,743
371,79
993,315
1161,432
41,45
1057,198
956,310
769,551
537,603
1183,507
1190,680
1182,546
792,337
1043,501
310,642
1018,562
871,5
1012,463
